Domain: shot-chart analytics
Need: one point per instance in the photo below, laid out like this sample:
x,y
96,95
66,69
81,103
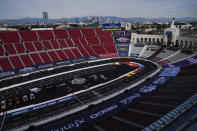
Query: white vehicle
x,y
35,90
32,96
25,98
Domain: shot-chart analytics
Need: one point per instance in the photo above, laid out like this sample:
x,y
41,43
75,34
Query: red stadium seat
x,y
69,54
69,43
29,46
38,46
5,64
107,40
20,48
9,37
75,33
100,32
55,44
76,42
26,60
45,57
88,32
76,52
89,50
61,55
92,40
63,43
9,48
83,51
36,58
99,49
1,51
47,45
83,41
54,56
16,62
110,48
61,34
46,35
28,36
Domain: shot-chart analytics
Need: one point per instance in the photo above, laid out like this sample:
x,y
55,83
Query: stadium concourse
x,y
85,79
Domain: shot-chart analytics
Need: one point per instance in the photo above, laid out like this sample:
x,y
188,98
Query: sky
x,y
15,9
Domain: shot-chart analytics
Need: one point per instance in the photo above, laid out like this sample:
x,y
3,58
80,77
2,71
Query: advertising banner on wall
x,y
170,72
122,40
42,66
109,55
123,49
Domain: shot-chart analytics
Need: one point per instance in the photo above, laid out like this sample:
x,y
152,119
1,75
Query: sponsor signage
x,y
39,106
160,80
4,74
123,49
147,89
108,55
123,40
111,27
171,72
130,98
102,112
168,32
45,65
28,69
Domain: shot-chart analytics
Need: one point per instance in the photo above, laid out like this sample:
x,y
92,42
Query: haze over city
x,y
12,9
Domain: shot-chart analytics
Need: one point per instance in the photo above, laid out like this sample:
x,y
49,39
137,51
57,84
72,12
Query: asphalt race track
x,y
69,87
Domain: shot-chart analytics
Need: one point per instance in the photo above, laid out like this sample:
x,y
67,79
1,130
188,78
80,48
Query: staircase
x,y
156,53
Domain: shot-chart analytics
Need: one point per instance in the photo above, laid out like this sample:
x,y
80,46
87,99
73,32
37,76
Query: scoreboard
x,y
168,32
111,27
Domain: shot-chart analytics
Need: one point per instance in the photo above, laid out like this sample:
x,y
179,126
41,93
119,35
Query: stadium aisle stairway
x,y
157,53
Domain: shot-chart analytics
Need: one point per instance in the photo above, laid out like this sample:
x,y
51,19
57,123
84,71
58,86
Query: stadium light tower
x,y
45,17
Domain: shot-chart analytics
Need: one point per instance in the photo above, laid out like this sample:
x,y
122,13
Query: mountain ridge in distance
x,y
29,20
